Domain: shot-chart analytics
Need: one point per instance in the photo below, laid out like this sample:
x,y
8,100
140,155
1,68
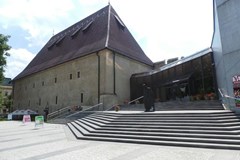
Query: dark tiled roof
x,y
92,34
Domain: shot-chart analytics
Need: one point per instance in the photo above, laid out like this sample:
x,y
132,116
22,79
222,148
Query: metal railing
x,y
228,98
109,108
84,110
58,112
135,99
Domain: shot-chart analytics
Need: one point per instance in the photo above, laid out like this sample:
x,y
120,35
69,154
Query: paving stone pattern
x,y
56,142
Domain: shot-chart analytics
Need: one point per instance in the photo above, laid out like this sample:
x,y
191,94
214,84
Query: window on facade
x,y
60,40
42,83
186,68
78,74
70,76
81,97
87,26
179,70
56,100
165,75
120,23
197,67
171,73
33,85
207,65
6,93
75,32
55,80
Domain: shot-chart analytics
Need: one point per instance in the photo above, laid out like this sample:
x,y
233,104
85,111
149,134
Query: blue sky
x,y
163,28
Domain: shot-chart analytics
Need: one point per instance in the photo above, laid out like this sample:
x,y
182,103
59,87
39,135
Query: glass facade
x,y
191,79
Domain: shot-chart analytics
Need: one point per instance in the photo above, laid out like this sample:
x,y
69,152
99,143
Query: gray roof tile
x,y
85,37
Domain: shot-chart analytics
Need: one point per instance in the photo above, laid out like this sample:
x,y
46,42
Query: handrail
x,y
111,107
58,111
135,99
227,96
84,110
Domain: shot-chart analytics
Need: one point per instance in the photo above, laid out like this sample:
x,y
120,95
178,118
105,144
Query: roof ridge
x,y
108,25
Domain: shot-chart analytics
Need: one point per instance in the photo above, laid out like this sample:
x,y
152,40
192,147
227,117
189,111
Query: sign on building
x,y
236,89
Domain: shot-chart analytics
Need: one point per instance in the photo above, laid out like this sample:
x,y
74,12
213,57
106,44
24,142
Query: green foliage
x,y
1,100
4,47
7,101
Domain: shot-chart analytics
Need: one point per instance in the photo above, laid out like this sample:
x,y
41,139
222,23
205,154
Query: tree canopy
x,y
4,47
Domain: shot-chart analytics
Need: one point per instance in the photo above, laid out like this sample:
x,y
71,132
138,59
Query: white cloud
x,y
165,29
38,18
18,60
172,28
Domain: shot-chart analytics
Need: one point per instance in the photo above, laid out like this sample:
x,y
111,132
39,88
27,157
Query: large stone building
x,y
93,60
88,63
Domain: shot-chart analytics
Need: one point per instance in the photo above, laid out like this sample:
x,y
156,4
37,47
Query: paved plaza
x,y
55,142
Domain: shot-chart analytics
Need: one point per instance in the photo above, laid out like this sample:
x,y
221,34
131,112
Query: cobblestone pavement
x,y
20,141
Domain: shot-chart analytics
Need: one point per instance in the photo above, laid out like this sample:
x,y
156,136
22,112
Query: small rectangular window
x,y
42,83
56,100
33,85
55,80
70,76
78,74
81,97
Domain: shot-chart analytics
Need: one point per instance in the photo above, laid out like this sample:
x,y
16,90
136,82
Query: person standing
x,y
148,98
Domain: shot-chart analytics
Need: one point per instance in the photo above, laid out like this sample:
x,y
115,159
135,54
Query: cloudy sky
x,y
163,28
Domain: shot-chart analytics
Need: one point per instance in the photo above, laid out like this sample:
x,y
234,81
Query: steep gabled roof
x,y
103,29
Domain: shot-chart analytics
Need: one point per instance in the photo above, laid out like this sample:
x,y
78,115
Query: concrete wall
x,y
226,46
39,90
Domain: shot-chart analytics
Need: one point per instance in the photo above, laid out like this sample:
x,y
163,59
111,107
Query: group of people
x,y
148,98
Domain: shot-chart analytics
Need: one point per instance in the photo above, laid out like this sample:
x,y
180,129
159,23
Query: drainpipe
x,y
114,74
98,56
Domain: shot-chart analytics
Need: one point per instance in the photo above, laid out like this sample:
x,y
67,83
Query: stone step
x,y
94,129
156,119
169,119
226,139
171,130
181,133
178,141
168,123
192,129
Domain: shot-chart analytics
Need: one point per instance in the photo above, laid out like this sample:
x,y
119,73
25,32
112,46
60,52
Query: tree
x,y
4,47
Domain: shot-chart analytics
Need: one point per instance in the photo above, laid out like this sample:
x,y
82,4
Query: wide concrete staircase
x,y
206,129
178,105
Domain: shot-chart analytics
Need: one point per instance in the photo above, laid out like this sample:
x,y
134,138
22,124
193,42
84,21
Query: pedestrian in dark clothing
x,y
46,110
148,98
